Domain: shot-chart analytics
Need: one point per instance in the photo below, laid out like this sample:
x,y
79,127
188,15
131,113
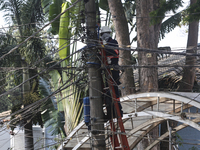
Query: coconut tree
x,y
7,74
25,14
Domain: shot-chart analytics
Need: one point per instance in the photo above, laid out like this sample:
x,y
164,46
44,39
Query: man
x,y
112,55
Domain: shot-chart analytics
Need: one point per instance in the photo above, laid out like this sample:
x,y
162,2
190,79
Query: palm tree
x,y
7,42
26,15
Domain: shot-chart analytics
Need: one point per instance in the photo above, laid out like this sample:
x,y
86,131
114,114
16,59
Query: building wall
x,y
41,139
5,140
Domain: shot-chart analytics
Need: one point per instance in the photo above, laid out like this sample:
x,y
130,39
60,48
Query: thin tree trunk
x,y
122,35
28,133
189,72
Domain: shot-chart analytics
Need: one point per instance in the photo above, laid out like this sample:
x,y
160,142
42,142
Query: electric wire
x,y
27,39
42,71
31,115
61,90
37,62
38,23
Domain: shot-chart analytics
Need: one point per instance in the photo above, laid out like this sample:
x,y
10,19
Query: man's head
x,y
105,33
105,29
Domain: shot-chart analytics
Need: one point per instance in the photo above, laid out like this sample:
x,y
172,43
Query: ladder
x,y
123,145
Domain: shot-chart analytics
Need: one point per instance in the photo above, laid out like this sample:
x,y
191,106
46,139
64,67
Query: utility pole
x,y
94,73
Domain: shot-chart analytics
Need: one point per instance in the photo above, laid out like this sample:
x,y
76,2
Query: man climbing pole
x,y
112,55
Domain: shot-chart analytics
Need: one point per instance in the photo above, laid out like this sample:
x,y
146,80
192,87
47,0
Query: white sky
x,y
177,39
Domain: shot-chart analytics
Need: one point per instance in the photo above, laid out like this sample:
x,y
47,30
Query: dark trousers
x,y
111,111
115,76
110,106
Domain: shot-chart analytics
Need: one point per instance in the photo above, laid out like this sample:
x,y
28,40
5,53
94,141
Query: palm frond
x,y
169,25
51,116
46,91
45,5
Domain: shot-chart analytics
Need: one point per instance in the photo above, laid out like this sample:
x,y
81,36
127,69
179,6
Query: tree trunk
x,y
28,133
189,72
122,34
147,38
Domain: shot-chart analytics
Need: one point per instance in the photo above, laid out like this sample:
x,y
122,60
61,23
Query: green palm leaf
x,y
51,116
169,24
45,5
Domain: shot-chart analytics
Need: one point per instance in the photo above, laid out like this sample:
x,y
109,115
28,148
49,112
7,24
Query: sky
x,y
177,39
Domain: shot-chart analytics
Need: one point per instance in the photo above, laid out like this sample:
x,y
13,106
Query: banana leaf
x,y
54,10
64,33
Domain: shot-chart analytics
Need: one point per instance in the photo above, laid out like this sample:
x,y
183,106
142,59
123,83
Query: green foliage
x,y
29,98
31,12
64,33
192,13
6,43
22,12
103,4
170,24
165,6
5,103
53,7
77,16
130,11
56,122
179,139
11,9
17,77
54,10
33,50
51,116
45,5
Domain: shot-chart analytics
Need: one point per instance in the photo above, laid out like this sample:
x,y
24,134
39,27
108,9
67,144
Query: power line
x,y
33,35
